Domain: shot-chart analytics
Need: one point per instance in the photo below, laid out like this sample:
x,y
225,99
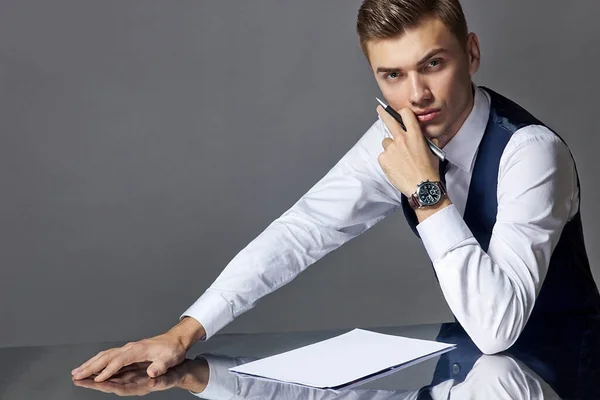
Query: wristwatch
x,y
428,194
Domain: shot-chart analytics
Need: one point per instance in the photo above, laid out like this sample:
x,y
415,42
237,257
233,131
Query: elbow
x,y
495,339
490,346
498,331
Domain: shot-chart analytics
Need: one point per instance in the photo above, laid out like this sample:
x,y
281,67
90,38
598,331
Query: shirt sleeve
x,y
492,294
352,197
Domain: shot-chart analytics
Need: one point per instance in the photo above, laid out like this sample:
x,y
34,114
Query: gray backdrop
x,y
144,143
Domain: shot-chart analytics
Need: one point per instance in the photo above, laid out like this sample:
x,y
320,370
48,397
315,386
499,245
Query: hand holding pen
x,y
434,149
407,158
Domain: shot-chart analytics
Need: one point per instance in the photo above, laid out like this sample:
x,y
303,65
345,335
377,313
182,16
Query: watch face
x,y
429,194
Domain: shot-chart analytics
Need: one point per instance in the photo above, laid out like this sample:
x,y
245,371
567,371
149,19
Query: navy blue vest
x,y
569,287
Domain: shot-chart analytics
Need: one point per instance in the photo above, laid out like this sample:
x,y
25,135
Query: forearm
x,y
286,248
491,295
350,199
492,306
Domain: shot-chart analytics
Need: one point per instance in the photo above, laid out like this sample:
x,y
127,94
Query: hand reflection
x,y
133,380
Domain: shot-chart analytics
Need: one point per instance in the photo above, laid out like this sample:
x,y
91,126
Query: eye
x,y
392,75
434,63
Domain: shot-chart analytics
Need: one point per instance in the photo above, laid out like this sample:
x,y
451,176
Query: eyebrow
x,y
421,61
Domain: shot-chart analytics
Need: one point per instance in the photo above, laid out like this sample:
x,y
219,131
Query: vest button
x,y
455,369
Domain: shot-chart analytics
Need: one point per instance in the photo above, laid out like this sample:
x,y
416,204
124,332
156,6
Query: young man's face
x,y
427,70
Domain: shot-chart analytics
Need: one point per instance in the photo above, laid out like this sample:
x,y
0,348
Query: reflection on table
x,y
555,359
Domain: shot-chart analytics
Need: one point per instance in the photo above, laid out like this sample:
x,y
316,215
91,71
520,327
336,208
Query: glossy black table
x,y
553,359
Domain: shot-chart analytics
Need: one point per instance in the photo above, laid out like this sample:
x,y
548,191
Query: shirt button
x,y
455,369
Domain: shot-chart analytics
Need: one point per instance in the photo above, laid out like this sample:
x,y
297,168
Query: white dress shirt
x,y
491,294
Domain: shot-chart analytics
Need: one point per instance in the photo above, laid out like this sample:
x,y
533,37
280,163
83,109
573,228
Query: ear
x,y
473,53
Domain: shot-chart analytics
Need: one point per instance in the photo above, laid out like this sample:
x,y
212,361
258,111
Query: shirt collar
x,y
462,148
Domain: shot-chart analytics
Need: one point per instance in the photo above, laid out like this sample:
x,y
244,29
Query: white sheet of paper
x,y
342,359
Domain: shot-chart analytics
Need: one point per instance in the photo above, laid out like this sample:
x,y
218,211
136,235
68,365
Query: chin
x,y
433,132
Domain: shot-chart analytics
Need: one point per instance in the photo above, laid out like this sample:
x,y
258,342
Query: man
x,y
505,222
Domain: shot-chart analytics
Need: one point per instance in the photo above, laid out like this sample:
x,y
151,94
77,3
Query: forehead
x,y
412,45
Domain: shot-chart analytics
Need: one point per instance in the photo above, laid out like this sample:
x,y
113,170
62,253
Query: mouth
x,y
427,115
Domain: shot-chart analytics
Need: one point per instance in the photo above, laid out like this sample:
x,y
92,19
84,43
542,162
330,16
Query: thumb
x,y
436,141
156,368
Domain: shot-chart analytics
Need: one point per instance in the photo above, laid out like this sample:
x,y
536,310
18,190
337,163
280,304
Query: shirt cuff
x,y
443,231
222,384
212,311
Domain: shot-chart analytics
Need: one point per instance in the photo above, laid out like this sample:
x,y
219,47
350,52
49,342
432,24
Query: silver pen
x,y
434,149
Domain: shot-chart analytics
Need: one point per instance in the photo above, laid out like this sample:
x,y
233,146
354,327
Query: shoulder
x,y
538,142
535,134
536,155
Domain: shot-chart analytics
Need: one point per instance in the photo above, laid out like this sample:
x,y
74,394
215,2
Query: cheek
x,y
395,95
448,88
447,83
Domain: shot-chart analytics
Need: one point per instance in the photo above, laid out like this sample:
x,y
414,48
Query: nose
x,y
419,91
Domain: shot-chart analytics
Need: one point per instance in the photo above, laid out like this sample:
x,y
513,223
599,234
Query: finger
x,y
157,368
116,388
88,362
105,387
162,364
128,376
436,141
114,366
136,389
386,142
390,123
93,367
86,383
410,121
155,382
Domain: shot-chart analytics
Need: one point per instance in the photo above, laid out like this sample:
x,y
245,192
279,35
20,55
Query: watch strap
x,y
413,202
